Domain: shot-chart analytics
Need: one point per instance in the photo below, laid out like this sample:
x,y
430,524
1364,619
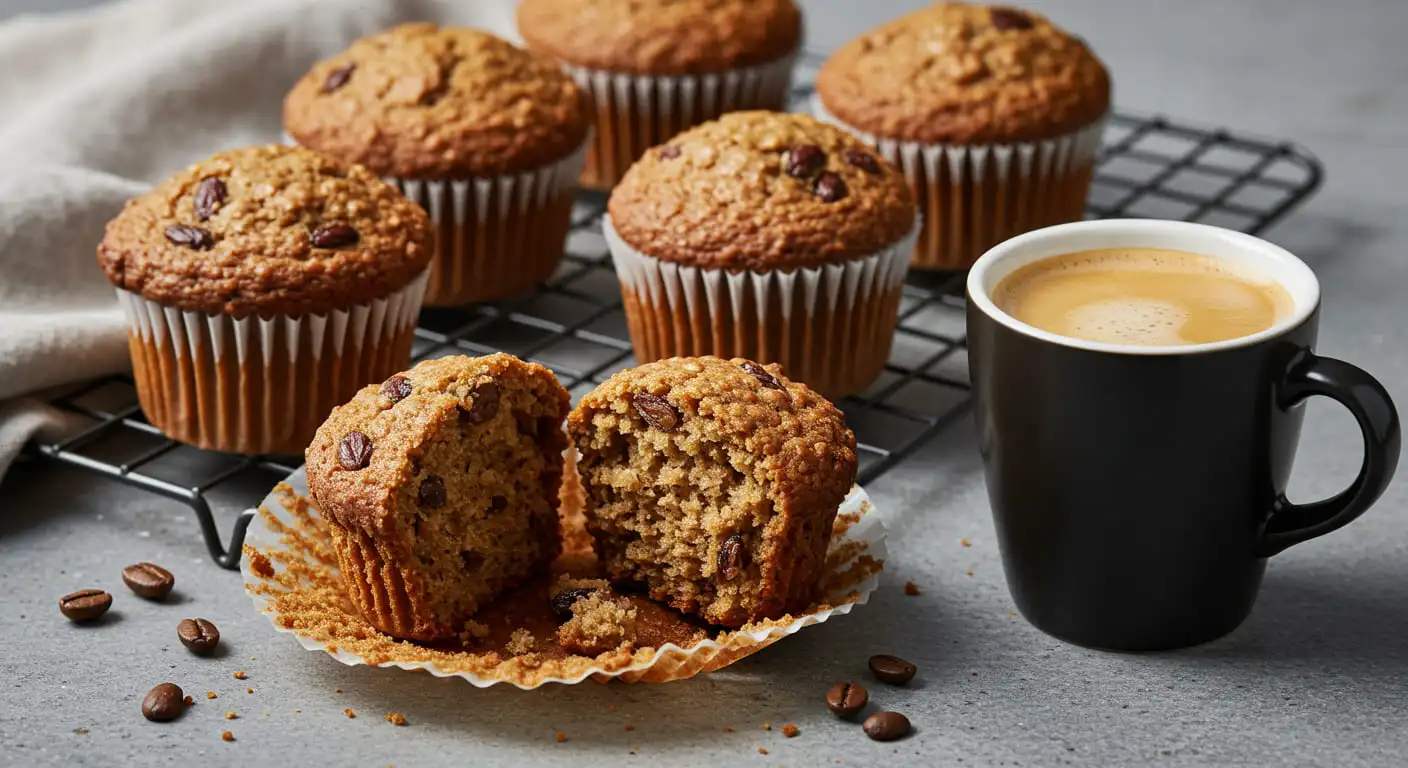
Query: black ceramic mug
x,y
1138,491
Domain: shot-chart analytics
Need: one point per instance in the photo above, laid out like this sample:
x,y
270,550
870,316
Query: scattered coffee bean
x,y
333,236
668,152
396,388
891,669
164,702
847,699
198,635
761,374
355,451
431,494
562,602
338,77
732,558
862,160
886,726
1010,18
656,411
483,404
191,237
801,162
85,604
209,195
829,187
148,580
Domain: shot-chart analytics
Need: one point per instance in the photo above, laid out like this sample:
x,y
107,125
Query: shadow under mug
x,y
1138,491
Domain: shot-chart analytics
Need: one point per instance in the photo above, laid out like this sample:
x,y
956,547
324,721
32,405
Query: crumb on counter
x,y
239,674
350,714
249,690
911,589
970,573
767,726
560,736
210,695
762,751
189,701
630,727
230,715
396,718
227,736
790,730
727,729
337,690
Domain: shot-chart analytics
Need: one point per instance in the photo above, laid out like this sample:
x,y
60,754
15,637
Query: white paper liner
x,y
637,112
837,363
738,644
1035,184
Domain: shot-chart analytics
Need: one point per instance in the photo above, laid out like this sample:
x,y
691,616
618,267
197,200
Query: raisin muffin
x,y
263,287
994,114
653,68
770,236
714,483
487,137
440,486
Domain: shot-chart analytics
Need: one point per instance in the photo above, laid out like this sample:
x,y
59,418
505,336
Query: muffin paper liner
x,y
975,196
637,112
858,550
262,385
829,326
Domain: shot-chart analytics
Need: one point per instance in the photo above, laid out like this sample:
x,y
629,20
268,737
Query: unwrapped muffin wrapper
x,y
829,326
863,539
262,385
637,112
975,196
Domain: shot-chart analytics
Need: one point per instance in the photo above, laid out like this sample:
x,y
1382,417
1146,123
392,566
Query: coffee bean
x,y
886,726
191,237
355,451
333,236
732,558
198,635
862,160
891,669
164,702
1010,18
432,492
847,699
801,162
396,388
656,411
85,604
668,152
829,187
338,77
483,404
761,374
148,580
562,602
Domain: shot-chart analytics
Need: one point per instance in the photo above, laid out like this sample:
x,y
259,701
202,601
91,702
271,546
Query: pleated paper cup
x,y
262,385
637,112
978,195
829,326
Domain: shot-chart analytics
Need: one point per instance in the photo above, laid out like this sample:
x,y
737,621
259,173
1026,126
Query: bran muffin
x,y
489,138
440,486
264,286
994,114
714,483
764,235
653,68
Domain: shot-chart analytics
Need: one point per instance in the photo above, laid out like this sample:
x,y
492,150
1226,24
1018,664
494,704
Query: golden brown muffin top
x,y
966,74
421,101
661,37
762,190
270,231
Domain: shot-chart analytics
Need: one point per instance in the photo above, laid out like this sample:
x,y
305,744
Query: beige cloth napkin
x,y
95,107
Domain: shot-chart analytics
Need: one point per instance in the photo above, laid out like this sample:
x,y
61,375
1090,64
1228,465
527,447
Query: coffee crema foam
x,y
1143,297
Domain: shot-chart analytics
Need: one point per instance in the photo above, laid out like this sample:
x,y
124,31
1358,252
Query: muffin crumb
x,y
227,736
790,730
240,675
350,714
911,589
396,718
560,736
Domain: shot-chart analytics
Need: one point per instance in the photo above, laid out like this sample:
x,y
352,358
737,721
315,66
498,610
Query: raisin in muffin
x,y
714,483
440,486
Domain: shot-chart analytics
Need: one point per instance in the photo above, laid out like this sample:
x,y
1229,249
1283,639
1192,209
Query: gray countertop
x,y
1318,675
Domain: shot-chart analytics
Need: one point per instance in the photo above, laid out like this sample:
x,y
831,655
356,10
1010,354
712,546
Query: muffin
x,y
769,236
994,114
263,287
713,483
440,488
485,136
653,68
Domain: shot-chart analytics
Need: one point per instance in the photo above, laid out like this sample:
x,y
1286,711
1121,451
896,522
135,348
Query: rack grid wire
x,y
1149,166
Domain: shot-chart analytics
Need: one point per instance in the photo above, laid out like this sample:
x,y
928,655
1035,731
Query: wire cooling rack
x,y
1149,166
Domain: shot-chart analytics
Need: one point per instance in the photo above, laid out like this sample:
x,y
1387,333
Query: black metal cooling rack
x,y
1149,166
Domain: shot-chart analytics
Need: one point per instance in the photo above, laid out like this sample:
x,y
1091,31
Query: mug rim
x,y
1286,269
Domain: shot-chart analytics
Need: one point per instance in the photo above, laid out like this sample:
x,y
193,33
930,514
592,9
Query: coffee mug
x,y
1138,491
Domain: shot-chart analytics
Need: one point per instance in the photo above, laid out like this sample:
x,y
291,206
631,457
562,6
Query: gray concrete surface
x,y
1317,676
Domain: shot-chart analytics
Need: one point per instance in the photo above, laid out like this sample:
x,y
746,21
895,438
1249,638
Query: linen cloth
x,y
96,106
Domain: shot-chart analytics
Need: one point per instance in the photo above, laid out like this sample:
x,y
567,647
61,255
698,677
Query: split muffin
x,y
714,484
994,114
653,68
440,486
263,287
486,136
768,236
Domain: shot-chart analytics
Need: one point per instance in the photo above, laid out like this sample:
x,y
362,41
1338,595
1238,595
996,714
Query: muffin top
x,y
966,74
661,37
421,101
270,230
762,190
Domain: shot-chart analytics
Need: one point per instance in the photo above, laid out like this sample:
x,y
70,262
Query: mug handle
x,y
1366,398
